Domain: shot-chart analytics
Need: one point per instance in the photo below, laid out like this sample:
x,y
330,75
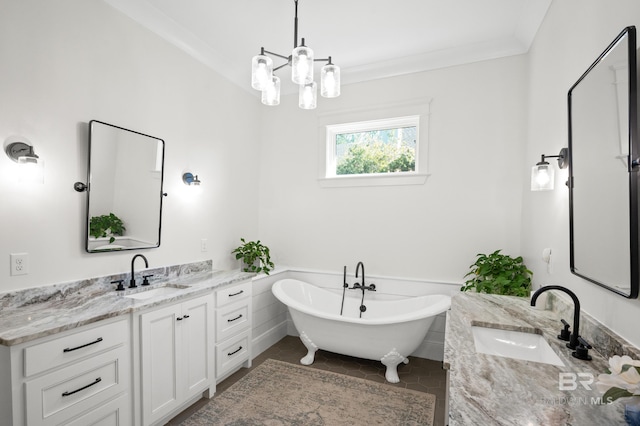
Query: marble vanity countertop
x,y
36,313
494,390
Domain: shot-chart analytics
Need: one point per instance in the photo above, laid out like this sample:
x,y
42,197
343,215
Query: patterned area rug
x,y
279,393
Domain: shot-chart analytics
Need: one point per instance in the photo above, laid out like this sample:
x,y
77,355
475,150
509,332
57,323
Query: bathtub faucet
x,y
362,285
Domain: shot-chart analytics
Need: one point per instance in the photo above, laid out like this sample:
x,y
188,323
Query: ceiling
x,y
368,39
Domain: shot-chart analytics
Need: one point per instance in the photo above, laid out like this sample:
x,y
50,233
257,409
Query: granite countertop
x,y
494,390
40,312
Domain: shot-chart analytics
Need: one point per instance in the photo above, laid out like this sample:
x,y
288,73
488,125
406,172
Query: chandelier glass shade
x,y
261,71
302,64
330,81
271,94
301,60
308,95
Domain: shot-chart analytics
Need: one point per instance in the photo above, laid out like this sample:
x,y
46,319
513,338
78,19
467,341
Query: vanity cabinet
x,y
233,329
176,356
78,377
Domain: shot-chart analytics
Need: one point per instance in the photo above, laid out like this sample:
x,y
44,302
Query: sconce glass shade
x,y
261,71
308,95
271,94
302,64
542,177
30,166
330,81
31,170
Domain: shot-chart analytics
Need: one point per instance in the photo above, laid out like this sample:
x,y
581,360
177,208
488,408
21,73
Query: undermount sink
x,y
156,292
529,346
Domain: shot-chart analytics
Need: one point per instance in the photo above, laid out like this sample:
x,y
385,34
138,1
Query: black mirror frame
x,y
87,188
633,167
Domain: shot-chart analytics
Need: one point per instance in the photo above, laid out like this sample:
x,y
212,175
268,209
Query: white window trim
x,y
333,123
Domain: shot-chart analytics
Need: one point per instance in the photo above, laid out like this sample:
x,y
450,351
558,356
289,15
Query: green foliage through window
x,y
376,151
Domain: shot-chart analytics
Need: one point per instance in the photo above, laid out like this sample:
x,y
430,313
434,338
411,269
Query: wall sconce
x,y
31,167
542,174
190,180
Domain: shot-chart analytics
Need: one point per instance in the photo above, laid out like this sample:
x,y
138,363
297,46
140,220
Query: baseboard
x,y
269,338
430,350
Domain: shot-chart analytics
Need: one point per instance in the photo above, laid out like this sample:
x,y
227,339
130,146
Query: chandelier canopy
x,y
301,61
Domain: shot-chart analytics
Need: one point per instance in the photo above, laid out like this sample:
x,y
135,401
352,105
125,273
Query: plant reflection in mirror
x,y
106,226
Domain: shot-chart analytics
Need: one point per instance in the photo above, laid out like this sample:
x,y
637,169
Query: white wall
x,y
471,203
70,61
572,36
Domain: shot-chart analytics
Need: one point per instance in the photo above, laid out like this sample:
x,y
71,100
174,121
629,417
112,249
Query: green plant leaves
x,y
106,226
255,255
499,274
614,393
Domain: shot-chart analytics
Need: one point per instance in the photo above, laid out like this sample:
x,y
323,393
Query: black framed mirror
x,y
124,186
603,169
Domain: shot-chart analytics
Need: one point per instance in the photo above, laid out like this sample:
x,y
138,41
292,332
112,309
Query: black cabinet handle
x,y
235,319
236,294
185,316
235,352
179,319
98,380
98,340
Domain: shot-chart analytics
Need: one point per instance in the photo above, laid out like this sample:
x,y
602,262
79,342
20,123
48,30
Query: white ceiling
x,y
368,39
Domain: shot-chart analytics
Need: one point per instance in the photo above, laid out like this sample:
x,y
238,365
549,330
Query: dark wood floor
x,y
420,374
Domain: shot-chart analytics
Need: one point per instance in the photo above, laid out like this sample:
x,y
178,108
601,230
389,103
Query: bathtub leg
x,y
311,348
391,361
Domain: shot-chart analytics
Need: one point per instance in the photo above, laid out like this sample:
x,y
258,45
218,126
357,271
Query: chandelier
x,y
301,62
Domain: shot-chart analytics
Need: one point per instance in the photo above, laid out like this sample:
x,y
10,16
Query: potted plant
x,y
106,226
255,256
499,274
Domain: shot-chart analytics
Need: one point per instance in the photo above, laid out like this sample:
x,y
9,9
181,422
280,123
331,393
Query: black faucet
x,y
573,339
363,286
132,282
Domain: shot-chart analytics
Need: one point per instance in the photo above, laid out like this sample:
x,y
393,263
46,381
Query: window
x,y
373,147
377,151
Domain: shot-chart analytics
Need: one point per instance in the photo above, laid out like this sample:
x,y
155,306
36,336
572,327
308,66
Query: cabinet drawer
x,y
233,294
63,350
67,392
231,353
232,319
113,413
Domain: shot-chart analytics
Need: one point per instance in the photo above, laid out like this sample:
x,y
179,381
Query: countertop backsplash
x,y
604,341
95,286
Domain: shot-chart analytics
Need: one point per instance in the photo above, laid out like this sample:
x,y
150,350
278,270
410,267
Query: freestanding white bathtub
x,y
389,330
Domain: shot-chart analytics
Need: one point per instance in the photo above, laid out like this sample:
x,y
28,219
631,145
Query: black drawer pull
x,y
179,319
236,294
235,352
235,319
185,316
98,340
98,380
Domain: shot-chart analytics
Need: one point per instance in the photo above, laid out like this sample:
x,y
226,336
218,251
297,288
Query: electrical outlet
x,y
19,263
203,245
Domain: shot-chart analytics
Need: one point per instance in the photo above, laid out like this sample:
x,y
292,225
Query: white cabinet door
x,y
160,355
197,342
176,355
